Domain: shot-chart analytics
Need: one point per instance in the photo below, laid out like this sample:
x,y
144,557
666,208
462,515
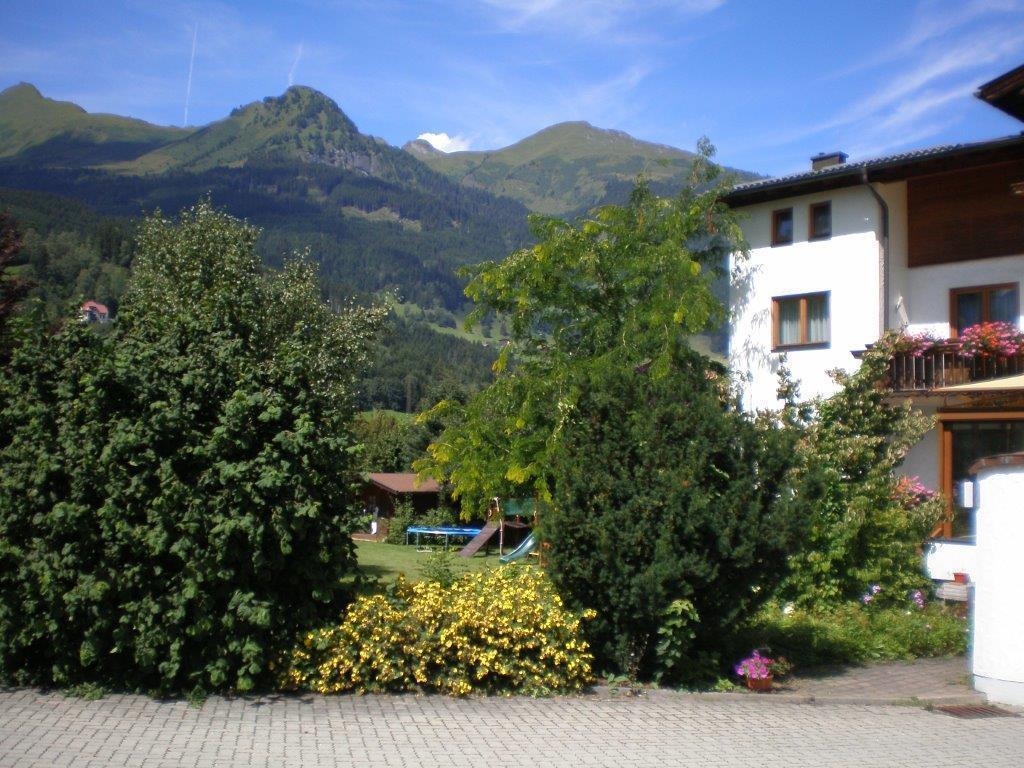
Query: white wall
x,y
847,265
942,559
998,647
927,297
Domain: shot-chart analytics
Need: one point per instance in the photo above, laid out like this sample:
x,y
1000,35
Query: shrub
x,y
665,490
851,633
439,566
864,524
497,632
176,497
403,517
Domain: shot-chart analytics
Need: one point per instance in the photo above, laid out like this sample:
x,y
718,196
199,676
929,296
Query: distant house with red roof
x,y
382,490
94,312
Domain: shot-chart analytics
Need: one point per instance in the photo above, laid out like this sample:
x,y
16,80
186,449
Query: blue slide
x,y
529,544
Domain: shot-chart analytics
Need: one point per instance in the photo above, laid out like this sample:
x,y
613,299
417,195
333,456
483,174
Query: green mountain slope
x,y
60,133
563,169
300,126
373,216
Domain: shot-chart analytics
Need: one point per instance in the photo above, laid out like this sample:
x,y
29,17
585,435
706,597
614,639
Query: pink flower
x,y
756,667
992,339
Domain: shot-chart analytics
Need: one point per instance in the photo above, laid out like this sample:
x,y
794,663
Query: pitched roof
x,y
403,482
95,306
886,168
1005,92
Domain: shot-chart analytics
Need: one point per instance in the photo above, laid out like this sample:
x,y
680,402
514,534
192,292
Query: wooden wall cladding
x,y
964,215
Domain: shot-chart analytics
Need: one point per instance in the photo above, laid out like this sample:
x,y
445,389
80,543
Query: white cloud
x,y
925,88
295,64
589,17
932,21
446,143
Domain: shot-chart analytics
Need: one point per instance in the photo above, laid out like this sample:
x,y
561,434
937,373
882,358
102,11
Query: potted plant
x,y
759,671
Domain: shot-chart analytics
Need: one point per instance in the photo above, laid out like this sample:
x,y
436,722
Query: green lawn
x,y
386,561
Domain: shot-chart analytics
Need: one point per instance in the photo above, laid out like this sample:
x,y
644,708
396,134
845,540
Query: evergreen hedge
x,y
666,491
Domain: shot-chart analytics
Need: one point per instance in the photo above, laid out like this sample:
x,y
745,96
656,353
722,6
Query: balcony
x,y
944,365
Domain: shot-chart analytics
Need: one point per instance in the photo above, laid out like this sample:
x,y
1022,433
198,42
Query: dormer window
x,y
820,217
782,227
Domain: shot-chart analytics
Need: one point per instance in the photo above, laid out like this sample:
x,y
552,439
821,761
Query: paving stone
x,y
47,729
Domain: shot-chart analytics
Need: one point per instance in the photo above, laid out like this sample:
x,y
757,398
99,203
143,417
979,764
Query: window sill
x,y
818,238
780,245
799,347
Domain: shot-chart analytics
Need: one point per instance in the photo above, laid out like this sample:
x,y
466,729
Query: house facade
x,y
930,243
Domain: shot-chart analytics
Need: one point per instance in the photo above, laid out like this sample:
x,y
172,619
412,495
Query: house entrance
x,y
965,439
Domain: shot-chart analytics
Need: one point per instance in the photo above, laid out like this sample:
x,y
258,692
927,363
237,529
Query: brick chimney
x,y
826,159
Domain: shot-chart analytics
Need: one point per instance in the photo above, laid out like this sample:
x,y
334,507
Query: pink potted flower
x,y
757,671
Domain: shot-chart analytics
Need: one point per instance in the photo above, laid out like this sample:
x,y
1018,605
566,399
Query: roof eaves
x,y
847,174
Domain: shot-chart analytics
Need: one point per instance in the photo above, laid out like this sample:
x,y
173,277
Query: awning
x,y
1003,384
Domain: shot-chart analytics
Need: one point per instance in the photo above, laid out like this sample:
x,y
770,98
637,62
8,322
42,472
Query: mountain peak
x,y
302,124
25,95
421,148
65,134
21,89
566,167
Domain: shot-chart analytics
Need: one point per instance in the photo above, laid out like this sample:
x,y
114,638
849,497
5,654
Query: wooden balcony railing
x,y
945,366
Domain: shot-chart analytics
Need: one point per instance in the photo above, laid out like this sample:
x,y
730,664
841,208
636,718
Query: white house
x,y
925,241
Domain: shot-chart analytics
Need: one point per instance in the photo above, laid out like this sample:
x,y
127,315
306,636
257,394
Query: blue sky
x,y
771,83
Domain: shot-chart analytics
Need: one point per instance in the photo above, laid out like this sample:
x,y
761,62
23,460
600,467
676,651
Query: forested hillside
x,y
71,253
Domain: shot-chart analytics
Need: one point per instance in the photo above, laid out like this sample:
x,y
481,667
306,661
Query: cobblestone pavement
x,y
47,729
937,680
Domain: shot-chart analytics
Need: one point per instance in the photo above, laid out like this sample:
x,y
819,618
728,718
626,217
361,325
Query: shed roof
x,y
403,482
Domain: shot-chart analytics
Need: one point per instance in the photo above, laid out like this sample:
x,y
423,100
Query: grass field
x,y
386,561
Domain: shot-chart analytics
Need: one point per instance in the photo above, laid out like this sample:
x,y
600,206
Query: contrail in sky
x,y
191,64
295,64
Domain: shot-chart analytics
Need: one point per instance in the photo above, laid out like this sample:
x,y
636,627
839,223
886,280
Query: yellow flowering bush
x,y
496,632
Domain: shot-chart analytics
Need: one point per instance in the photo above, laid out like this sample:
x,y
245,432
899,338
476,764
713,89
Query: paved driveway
x,y
661,729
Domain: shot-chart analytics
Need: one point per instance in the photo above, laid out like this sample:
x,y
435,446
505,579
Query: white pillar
x,y
998,655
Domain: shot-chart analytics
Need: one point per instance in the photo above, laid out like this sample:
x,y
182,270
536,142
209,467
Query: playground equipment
x,y
444,531
480,540
505,515
529,544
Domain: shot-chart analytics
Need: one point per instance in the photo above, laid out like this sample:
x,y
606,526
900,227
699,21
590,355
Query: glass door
x,y
973,440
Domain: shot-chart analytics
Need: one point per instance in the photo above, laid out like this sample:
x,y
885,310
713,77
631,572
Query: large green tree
x,y
657,487
176,497
626,282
